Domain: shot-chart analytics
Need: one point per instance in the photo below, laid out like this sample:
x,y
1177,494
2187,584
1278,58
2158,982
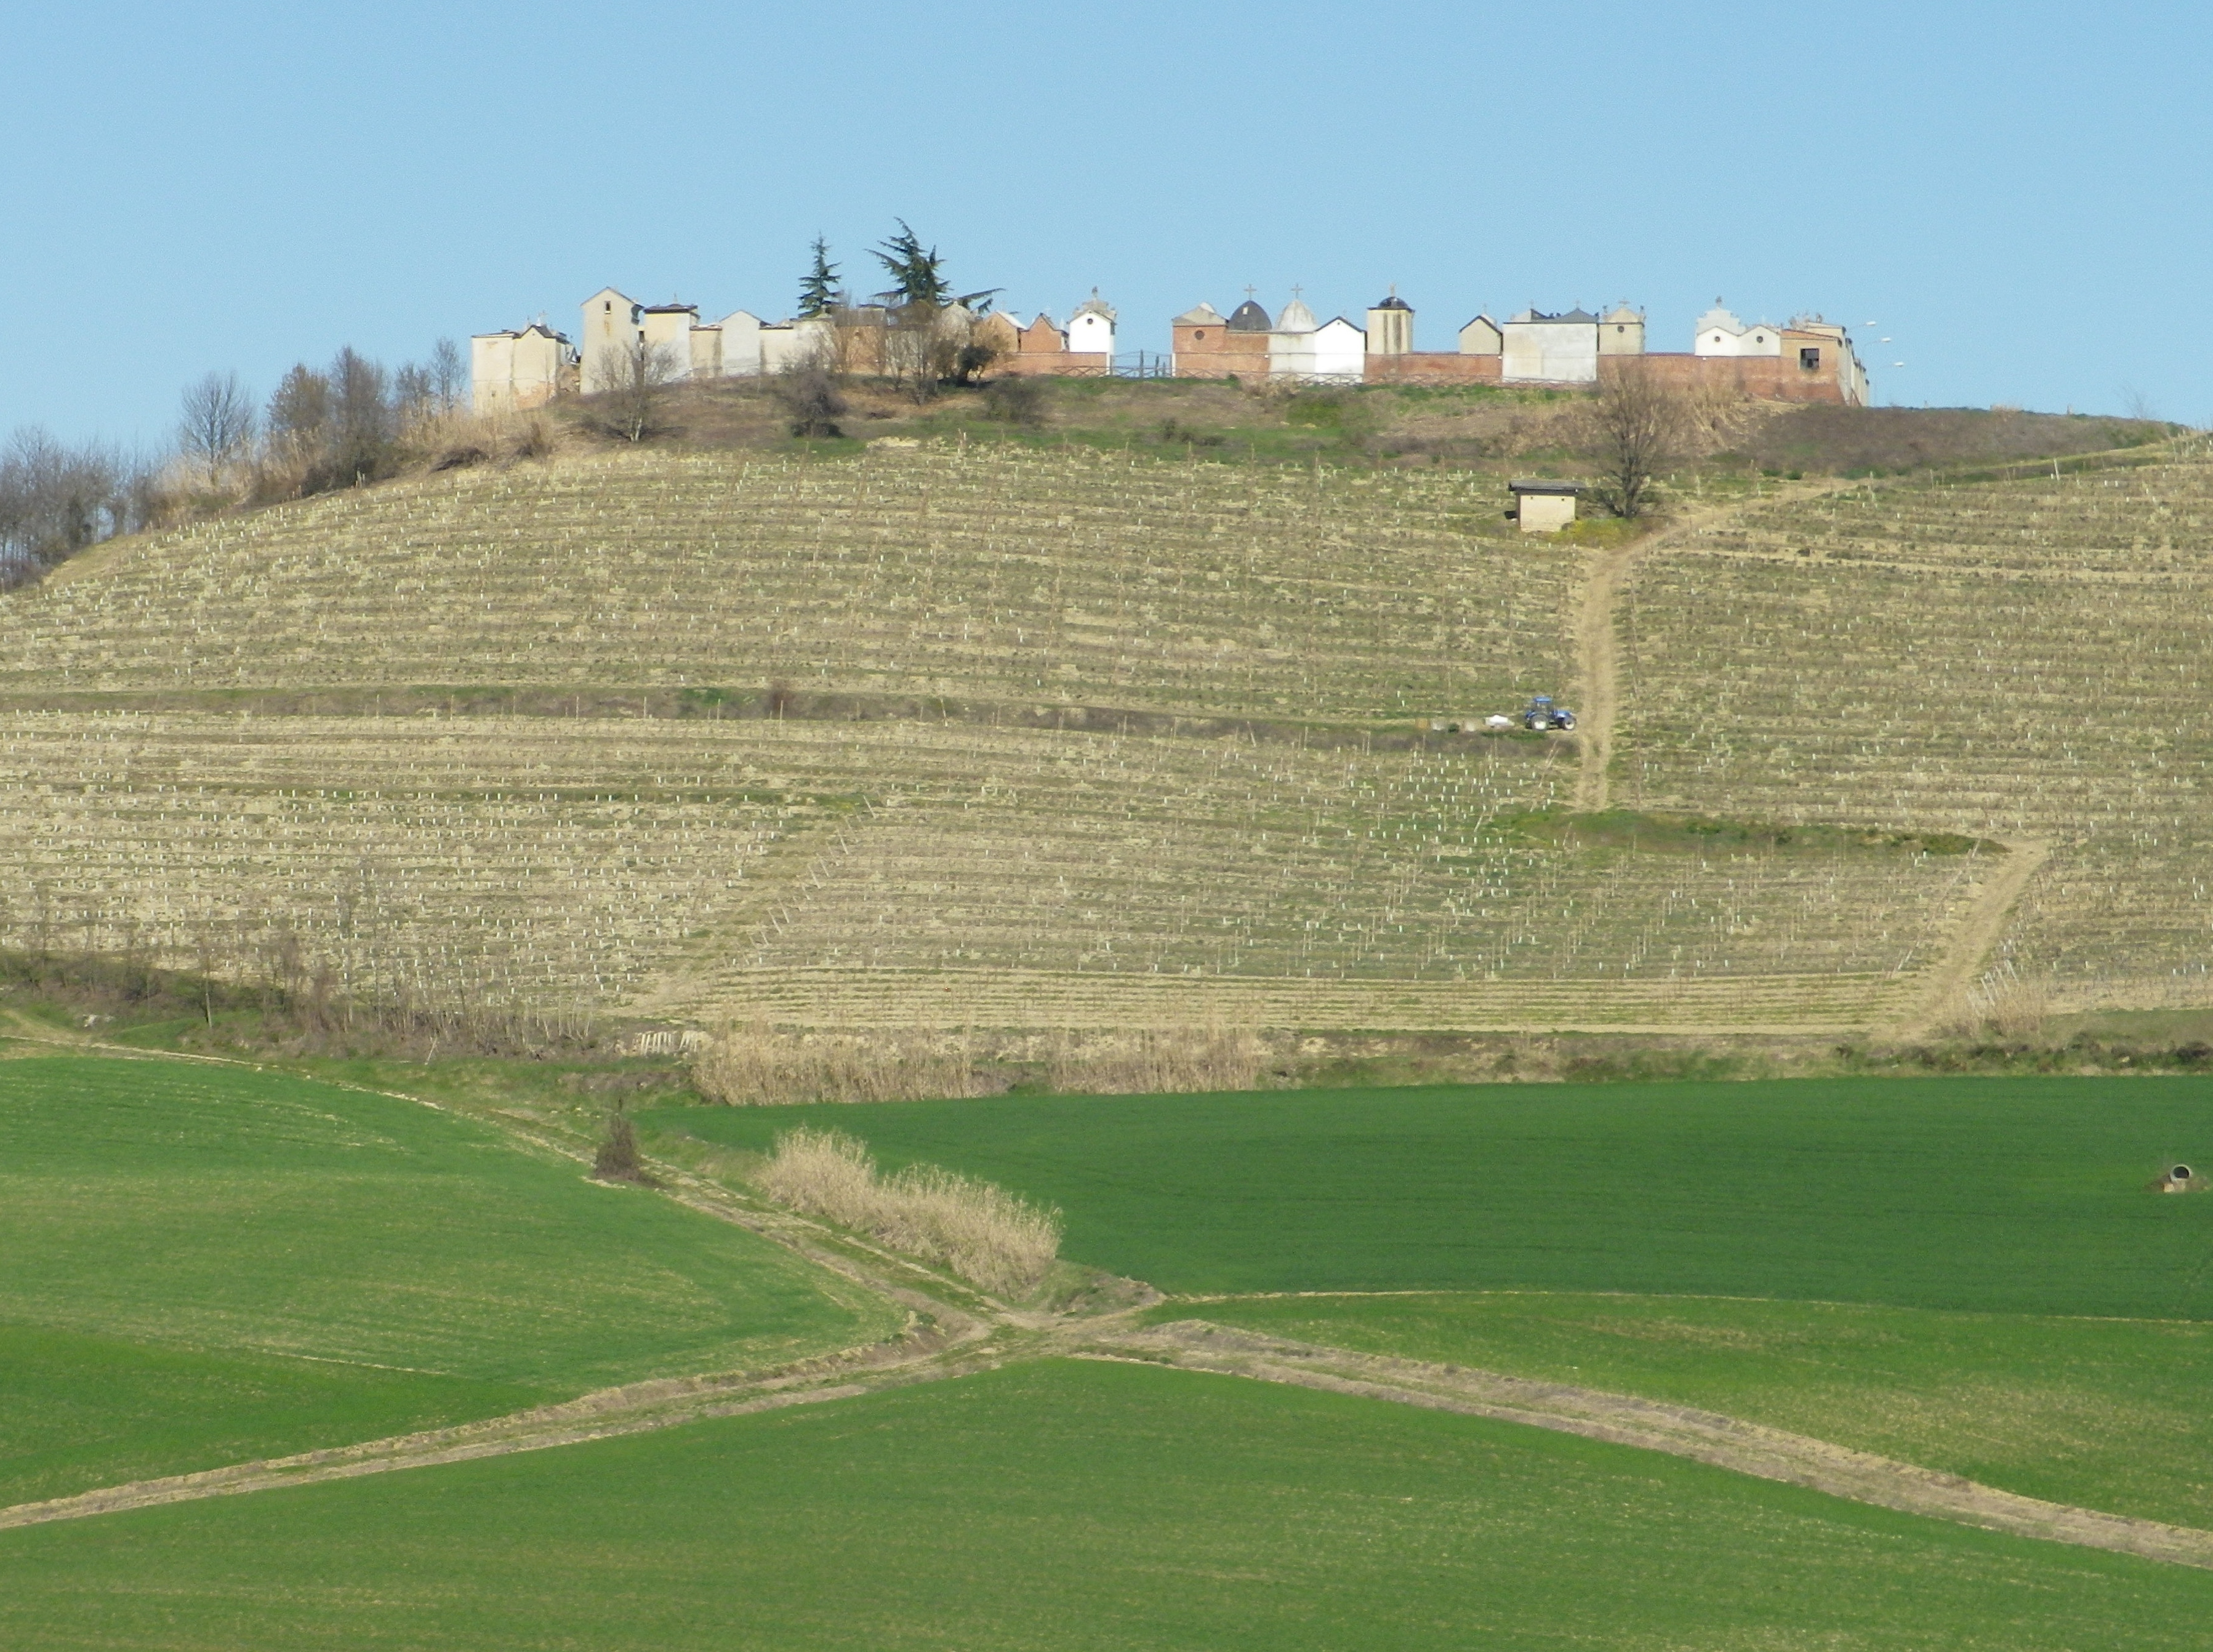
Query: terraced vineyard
x,y
1075,577
2028,660
918,873
1146,740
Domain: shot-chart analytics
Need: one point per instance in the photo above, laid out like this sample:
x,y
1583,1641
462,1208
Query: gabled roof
x,y
1249,317
1339,321
1623,313
1199,315
524,332
1094,305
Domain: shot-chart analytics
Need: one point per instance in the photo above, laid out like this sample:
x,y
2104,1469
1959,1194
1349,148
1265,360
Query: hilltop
x,y
947,731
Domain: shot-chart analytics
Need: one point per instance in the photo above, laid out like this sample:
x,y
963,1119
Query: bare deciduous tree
x,y
299,412
1638,423
217,424
637,377
449,375
56,500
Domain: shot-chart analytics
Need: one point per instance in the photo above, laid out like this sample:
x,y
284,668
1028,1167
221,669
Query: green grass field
x,y
2104,1413
1075,1506
2016,1195
207,1264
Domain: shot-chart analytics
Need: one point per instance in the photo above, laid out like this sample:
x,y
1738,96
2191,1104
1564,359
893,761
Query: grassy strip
x,y
1180,1511
2021,1195
222,1209
79,1411
2104,1414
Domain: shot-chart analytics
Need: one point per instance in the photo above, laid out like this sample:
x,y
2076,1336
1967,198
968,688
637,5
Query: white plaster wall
x,y
788,344
1339,350
672,330
1550,352
1621,338
742,344
535,374
1481,337
1720,333
607,323
1390,333
1547,512
491,373
1091,331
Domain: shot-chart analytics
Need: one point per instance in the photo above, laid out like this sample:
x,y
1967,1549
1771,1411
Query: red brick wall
x,y
1766,378
1215,352
1059,363
1434,367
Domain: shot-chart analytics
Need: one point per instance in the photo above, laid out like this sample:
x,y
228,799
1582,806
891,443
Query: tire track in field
x,y
638,1408
1596,638
1623,1419
1971,943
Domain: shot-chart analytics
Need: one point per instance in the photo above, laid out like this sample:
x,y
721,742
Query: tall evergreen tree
x,y
818,289
918,274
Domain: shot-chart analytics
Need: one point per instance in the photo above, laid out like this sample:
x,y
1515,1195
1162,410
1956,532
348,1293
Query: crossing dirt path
x,y
1703,1436
957,1332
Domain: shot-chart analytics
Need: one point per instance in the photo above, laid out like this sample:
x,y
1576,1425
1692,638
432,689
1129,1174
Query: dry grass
x,y
2005,1003
759,1066
983,1233
1170,1061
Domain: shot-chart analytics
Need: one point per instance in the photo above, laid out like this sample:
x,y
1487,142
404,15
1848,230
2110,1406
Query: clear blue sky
x,y
2016,193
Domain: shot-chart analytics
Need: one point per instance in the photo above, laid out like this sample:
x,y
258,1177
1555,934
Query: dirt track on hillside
x,y
1623,1419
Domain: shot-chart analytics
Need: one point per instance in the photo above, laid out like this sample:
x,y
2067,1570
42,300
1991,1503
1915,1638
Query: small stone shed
x,y
1545,506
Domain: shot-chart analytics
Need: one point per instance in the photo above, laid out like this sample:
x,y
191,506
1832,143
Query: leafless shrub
x,y
1016,401
810,398
637,379
2004,1003
617,1158
993,1238
1173,1061
756,1066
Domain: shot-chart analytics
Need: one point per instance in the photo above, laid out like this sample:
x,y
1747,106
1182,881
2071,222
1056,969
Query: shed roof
x,y
1546,484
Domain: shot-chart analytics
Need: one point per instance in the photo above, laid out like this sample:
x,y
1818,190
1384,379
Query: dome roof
x,y
1296,318
1249,317
1394,303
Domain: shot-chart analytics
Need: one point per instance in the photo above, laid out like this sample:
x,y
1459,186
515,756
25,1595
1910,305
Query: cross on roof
x,y
1298,291
1249,291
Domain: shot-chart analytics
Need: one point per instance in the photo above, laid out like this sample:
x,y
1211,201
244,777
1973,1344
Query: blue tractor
x,y
1542,714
